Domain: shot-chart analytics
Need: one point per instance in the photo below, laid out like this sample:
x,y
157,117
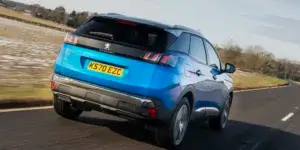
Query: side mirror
x,y
229,68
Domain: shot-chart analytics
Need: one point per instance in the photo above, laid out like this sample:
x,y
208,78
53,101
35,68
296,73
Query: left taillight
x,y
71,39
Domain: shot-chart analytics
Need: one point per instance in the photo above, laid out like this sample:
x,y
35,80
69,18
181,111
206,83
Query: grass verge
x,y
14,97
247,80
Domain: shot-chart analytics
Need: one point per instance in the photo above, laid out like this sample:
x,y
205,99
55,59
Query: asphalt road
x,y
256,124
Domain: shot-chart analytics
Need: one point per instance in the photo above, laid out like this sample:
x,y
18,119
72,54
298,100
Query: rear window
x,y
127,33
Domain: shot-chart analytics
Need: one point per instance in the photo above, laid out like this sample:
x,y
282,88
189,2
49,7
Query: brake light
x,y
125,22
71,39
153,57
147,55
168,60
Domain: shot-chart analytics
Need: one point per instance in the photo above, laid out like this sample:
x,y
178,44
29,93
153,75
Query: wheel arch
x,y
188,92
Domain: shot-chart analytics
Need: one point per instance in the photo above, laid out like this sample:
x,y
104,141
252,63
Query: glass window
x,y
130,33
197,50
213,59
182,44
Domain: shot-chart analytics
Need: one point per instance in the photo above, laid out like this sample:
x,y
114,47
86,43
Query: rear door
x,y
115,53
201,75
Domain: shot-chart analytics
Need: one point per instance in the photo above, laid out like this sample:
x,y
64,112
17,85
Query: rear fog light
x,y
152,112
52,84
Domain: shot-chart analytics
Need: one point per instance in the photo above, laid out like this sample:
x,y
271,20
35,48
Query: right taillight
x,y
153,57
167,60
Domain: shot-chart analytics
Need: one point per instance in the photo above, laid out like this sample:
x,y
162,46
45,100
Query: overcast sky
x,y
273,24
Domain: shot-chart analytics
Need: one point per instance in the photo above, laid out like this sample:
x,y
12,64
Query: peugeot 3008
x,y
162,75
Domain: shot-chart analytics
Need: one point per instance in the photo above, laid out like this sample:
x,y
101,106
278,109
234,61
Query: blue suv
x,y
162,75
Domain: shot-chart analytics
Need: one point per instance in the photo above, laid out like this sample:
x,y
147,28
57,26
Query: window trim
x,y
220,64
206,58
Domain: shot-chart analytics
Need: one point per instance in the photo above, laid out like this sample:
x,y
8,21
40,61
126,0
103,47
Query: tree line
x,y
59,15
256,59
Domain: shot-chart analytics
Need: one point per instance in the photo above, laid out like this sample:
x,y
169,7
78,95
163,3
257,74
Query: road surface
x,y
260,120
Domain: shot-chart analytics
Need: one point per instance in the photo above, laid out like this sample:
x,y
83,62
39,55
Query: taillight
x,y
71,39
168,60
153,57
52,85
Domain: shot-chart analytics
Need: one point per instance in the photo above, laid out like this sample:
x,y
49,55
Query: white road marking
x,y
25,109
287,117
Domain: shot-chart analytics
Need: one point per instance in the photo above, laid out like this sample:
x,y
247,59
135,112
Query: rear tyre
x,y
65,109
220,122
172,135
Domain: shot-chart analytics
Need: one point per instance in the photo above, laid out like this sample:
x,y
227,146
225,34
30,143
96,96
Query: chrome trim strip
x,y
100,105
212,109
207,108
66,80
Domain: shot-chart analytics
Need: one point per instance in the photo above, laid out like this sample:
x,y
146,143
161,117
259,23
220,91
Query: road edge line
x,y
287,117
25,109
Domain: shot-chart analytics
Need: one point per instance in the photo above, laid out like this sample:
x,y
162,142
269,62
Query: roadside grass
x,y
24,93
30,19
247,80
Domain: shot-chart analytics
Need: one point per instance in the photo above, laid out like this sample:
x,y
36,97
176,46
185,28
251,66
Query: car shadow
x,y
237,136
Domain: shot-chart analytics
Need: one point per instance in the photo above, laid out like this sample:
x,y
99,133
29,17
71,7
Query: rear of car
x,y
121,65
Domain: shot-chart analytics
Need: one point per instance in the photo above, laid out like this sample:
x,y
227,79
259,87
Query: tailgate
x,y
114,53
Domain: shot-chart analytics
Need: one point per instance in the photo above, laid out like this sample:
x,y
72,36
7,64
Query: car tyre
x,y
172,135
65,109
219,123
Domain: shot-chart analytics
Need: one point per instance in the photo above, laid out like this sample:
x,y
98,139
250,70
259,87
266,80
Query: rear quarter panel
x,y
168,83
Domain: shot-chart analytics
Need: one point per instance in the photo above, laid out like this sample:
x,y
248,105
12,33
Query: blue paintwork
x,y
146,79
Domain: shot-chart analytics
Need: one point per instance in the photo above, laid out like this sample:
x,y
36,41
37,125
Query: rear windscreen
x,y
127,33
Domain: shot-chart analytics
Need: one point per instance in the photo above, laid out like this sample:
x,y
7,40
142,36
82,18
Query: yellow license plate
x,y
106,69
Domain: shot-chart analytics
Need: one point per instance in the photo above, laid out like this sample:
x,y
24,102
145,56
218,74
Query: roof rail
x,y
112,13
188,29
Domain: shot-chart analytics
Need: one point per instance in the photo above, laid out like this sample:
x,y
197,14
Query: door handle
x,y
199,72
214,77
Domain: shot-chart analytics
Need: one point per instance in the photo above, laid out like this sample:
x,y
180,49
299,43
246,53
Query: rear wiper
x,y
103,34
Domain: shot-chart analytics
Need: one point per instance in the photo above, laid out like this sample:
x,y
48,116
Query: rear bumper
x,y
108,100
